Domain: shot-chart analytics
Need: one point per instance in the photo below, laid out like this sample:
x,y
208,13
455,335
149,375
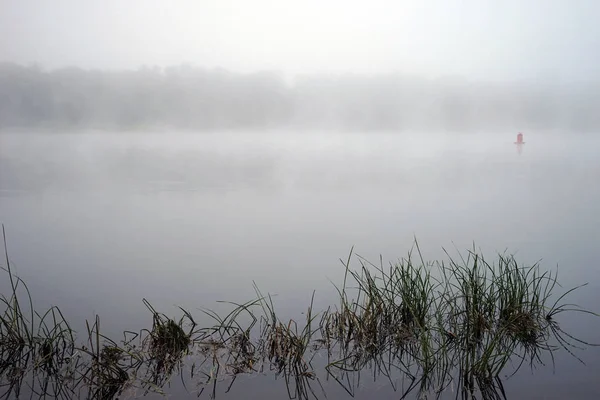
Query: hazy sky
x,y
495,39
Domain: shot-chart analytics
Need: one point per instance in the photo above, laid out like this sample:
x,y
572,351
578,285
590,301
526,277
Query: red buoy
x,y
519,139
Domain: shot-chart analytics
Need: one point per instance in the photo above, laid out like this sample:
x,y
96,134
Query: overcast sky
x,y
493,39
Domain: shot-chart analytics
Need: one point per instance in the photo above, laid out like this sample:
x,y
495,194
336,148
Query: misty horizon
x,y
428,65
198,98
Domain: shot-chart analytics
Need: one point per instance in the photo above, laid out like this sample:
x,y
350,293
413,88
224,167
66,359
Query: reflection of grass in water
x,y
166,344
30,341
443,323
103,375
429,327
286,347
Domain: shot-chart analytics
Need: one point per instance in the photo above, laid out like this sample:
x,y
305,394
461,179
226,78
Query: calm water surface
x,y
98,221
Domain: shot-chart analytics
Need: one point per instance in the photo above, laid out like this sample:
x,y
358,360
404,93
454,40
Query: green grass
x,y
428,328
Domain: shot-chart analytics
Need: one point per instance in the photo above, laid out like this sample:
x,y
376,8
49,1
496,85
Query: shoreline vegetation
x,y
435,329
197,99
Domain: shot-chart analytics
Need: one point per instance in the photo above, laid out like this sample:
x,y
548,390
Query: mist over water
x,y
180,151
98,221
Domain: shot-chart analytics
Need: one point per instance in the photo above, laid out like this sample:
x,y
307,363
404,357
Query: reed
x,y
426,327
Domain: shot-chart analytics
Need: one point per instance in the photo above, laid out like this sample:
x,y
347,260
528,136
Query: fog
x,y
511,39
377,65
195,98
180,151
96,222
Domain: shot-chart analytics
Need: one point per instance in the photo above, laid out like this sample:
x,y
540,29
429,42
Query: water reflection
x,y
427,329
189,219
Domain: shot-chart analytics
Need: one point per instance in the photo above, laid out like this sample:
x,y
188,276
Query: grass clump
x,y
166,344
31,341
287,346
104,375
440,323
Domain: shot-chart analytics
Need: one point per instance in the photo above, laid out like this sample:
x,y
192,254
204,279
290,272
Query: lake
x,y
96,221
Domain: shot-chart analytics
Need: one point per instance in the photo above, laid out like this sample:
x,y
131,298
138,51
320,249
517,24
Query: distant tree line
x,y
185,97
